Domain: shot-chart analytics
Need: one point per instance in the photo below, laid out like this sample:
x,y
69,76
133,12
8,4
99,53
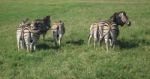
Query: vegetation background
x,y
75,60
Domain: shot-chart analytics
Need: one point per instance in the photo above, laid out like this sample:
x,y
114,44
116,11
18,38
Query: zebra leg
x,y
34,47
89,40
28,47
110,41
18,44
107,41
59,39
95,38
100,39
55,37
22,44
114,35
31,46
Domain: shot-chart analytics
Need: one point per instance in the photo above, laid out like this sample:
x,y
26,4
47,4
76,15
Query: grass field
x,y
75,60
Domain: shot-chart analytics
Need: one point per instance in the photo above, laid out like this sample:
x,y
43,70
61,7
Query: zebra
x,y
108,29
99,31
117,19
19,34
58,30
27,36
43,24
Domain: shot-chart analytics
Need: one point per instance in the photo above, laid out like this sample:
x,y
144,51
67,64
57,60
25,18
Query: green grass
x,y
75,60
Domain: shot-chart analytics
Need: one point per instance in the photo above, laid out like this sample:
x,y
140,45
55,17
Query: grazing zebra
x,y
58,30
27,36
43,25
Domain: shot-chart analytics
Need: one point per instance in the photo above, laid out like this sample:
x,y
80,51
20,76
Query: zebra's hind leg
x,y
95,38
95,41
89,40
34,47
100,40
107,44
107,41
18,45
111,43
59,39
28,47
55,37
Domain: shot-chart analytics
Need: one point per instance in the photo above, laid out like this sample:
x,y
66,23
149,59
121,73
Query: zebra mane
x,y
116,18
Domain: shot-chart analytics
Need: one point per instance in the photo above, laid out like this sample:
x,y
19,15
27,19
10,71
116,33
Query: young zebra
x,y
58,30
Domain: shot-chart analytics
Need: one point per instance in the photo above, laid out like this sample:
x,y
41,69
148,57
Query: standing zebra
x,y
27,36
117,19
19,35
58,30
108,29
43,25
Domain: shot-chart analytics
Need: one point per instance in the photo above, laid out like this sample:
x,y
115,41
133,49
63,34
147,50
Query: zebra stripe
x,y
58,30
27,38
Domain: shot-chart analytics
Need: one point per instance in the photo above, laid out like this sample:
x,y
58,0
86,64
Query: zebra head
x,y
120,18
47,21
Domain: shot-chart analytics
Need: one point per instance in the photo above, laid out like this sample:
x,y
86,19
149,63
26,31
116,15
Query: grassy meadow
x,y
74,59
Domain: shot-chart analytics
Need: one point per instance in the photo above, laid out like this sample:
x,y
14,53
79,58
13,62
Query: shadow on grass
x,y
45,47
128,44
75,42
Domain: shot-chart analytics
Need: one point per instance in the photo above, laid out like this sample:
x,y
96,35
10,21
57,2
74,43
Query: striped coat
x,y
100,31
27,37
58,30
109,30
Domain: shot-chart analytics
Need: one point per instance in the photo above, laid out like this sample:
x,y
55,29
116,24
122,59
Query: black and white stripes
x,y
27,36
108,30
